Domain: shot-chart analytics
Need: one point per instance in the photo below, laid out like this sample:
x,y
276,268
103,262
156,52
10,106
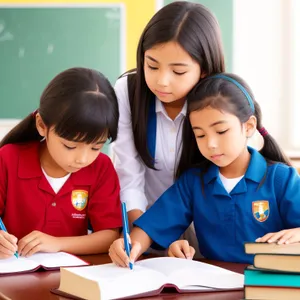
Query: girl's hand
x,y
37,241
181,249
118,254
287,236
8,244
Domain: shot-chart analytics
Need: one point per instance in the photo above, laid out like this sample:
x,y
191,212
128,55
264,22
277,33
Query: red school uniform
x,y
28,202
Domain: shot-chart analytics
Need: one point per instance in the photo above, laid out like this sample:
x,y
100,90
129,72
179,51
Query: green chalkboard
x,y
223,10
36,43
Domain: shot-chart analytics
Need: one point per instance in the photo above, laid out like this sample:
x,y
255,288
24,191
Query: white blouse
x,y
140,185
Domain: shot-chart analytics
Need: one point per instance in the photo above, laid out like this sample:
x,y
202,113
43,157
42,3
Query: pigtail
x,y
23,132
270,150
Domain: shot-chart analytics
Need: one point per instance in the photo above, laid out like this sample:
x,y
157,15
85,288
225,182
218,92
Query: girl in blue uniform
x,y
232,192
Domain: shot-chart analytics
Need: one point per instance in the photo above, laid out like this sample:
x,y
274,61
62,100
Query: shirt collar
x,y
30,167
160,108
256,169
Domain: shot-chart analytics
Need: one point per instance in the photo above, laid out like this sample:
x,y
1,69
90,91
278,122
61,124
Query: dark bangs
x,y
90,123
222,95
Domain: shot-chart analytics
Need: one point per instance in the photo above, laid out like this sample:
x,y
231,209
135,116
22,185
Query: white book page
x,y
13,264
59,259
128,282
186,273
48,260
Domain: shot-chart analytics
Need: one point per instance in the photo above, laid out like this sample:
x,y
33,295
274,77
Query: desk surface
x,y
37,285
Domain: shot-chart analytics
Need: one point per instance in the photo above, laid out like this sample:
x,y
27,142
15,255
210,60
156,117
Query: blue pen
x,y
2,227
126,233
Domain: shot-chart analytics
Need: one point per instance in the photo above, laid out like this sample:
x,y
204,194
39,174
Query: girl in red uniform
x,y
53,179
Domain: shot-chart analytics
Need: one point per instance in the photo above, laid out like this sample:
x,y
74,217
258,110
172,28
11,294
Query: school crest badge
x,y
261,210
79,199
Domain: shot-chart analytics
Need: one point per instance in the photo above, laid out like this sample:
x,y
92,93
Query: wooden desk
x,y
37,285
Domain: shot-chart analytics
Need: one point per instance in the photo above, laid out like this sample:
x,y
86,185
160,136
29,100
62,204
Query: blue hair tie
x,y
249,99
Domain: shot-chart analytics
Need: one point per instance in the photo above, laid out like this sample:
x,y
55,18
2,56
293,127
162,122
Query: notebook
x,y
47,261
147,278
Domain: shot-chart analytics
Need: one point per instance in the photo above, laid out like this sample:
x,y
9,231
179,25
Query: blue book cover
x,y
263,278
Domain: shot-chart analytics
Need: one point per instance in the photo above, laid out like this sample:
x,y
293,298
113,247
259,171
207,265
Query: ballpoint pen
x,y
126,233
2,227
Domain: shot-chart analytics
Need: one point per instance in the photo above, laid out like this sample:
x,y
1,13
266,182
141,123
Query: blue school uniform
x,y
266,199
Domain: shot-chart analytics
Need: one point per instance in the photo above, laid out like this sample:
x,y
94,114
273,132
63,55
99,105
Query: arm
x,y
287,188
163,223
97,242
37,241
129,167
8,242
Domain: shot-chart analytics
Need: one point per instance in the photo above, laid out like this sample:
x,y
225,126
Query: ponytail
x,y
271,150
24,132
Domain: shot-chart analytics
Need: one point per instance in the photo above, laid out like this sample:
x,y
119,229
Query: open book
x,y
147,278
47,261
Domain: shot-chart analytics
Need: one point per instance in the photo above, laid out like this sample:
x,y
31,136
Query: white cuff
x,y
134,199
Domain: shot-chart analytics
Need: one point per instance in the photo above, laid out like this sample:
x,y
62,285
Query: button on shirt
x,y
140,185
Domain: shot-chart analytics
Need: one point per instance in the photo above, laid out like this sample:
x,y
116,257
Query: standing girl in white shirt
x,y
180,45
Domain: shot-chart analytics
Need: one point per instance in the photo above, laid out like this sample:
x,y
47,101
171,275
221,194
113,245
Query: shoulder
x,y
99,171
281,172
10,151
121,90
190,176
125,80
20,156
102,165
121,83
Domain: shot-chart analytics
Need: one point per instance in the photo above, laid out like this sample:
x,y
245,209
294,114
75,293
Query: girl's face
x,y
170,72
220,136
70,156
60,156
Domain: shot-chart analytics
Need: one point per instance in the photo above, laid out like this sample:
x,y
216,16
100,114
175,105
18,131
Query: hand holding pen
x,y
8,243
121,251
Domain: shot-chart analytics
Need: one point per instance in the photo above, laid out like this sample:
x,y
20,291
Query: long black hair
x,y
220,93
80,104
197,31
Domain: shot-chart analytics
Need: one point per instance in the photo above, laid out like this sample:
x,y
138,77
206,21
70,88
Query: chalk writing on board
x,y
5,35
21,52
50,48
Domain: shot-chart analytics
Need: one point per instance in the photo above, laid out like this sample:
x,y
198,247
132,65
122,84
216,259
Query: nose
x,y
82,158
212,143
163,79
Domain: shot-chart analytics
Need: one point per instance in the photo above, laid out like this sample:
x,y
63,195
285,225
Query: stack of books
x,y
275,274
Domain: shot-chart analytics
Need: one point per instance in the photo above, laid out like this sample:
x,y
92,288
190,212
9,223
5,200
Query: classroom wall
x,y
33,56
29,59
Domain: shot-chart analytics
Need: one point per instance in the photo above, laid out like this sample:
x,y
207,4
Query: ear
x,y
40,125
203,75
250,126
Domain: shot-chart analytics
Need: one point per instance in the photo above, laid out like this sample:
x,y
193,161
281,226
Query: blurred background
x,y
38,39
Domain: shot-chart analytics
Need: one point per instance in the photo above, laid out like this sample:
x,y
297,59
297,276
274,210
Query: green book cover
x,y
262,278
